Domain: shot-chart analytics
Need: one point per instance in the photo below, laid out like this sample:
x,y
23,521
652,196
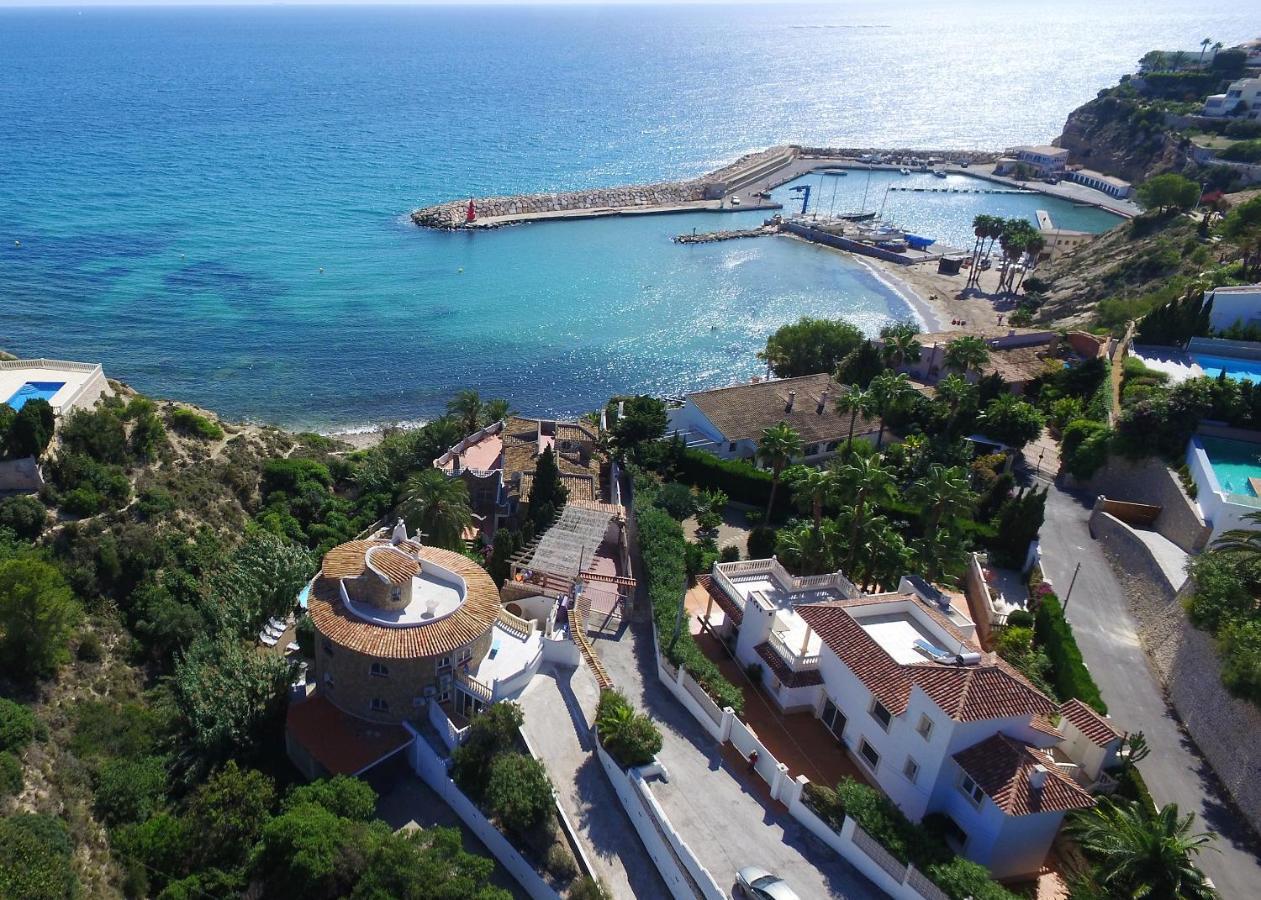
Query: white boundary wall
x,y
670,853
432,769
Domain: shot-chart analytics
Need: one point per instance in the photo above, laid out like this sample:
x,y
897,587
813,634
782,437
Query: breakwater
x,y
707,192
711,237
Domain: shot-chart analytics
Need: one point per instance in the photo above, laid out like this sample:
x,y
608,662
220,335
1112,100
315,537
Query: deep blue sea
x,y
213,201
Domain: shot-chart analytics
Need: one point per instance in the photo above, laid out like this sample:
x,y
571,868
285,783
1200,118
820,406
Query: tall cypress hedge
x,y
1069,675
663,547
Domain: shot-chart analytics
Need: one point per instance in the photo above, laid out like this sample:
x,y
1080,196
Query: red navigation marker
x,y
472,212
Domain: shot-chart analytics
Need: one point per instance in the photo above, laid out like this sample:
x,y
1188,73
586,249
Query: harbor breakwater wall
x,y
949,156
493,211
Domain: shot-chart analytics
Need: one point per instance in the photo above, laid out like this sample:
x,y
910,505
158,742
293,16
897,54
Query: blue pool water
x,y
34,390
1239,369
1233,462
216,198
304,595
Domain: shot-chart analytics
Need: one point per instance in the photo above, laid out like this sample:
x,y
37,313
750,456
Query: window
x,y
328,647
925,727
466,653
444,695
379,671
444,663
731,448
379,705
396,594
833,718
869,754
910,770
971,790
881,714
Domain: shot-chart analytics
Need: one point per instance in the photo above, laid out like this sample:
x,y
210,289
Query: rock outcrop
x,y
1113,135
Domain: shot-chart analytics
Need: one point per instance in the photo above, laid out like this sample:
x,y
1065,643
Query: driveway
x,y
559,705
719,810
1105,631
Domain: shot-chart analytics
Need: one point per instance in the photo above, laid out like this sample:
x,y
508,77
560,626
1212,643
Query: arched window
x,y
379,670
379,705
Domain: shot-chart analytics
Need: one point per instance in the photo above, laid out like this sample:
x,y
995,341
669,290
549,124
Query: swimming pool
x,y
1239,369
1233,462
34,390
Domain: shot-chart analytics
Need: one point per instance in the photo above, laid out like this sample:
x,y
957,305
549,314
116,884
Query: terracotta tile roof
x,y
725,603
581,487
393,564
341,743
743,412
575,431
990,689
1002,767
471,620
1095,727
784,672
346,560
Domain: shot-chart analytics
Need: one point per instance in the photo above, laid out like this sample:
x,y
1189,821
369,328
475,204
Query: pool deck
x,y
81,383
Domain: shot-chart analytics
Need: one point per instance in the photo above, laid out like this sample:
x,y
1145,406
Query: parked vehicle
x,y
756,883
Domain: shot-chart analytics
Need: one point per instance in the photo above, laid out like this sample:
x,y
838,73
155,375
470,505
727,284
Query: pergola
x,y
567,548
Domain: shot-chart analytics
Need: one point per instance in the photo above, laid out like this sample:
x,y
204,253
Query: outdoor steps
x,y
578,631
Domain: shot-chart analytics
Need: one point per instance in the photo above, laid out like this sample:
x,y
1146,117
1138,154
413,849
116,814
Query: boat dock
x,y
711,237
931,190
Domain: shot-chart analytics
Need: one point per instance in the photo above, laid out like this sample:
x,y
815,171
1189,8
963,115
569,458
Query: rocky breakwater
x,y
491,212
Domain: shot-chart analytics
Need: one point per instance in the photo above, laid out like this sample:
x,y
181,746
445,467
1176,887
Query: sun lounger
x,y
267,640
292,647
278,624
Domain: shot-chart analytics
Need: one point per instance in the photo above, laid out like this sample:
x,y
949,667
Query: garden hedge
x,y
739,480
1069,675
663,547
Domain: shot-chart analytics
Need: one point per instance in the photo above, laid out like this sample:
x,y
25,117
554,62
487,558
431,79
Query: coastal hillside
x,y
1117,135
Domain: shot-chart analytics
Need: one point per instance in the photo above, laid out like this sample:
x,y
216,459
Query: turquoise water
x,y
1233,462
177,180
34,390
1238,369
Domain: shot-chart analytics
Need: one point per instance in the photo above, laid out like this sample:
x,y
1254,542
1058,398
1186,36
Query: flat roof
x,y
896,633
1043,149
53,380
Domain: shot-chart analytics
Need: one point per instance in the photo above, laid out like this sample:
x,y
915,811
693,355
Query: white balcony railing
x,y
796,660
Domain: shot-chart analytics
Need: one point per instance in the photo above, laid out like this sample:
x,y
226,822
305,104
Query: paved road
x,y
1105,631
716,807
559,704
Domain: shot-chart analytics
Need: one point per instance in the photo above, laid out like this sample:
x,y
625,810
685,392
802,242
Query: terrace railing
x,y
796,660
474,687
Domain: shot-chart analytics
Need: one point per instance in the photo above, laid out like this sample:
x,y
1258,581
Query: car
x,y
756,883
735,201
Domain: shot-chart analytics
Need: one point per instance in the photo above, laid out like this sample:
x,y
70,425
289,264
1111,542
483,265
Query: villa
x,y
1237,305
66,386
940,726
498,463
403,632
728,422
1017,355
1242,100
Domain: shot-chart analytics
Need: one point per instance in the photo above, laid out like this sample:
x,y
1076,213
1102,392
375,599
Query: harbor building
x,y
1043,160
1113,187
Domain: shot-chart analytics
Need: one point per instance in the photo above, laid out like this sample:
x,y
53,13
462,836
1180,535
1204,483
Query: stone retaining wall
x,y
1152,482
1223,727
712,186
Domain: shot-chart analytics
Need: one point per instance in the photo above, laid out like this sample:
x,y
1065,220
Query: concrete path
x,y
717,808
1105,631
559,706
1171,557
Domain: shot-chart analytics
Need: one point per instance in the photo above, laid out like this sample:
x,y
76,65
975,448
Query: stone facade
x,y
346,678
1223,727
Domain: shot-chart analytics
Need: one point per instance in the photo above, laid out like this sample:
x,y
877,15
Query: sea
x,y
213,201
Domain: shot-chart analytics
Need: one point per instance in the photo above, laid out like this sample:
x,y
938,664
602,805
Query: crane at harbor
x,y
804,190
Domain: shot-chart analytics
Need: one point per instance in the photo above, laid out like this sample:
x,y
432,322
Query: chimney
x,y
1037,778
400,532
792,398
823,402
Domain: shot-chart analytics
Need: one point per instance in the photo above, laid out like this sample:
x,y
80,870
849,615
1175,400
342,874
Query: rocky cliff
x,y
1117,136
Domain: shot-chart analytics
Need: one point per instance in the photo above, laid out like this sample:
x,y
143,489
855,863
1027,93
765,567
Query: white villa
x,y
728,422
1239,304
65,385
940,726
1241,100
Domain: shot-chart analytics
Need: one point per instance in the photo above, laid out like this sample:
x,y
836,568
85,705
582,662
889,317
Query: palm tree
x,y
777,448
1141,852
966,353
953,390
1034,245
1245,542
940,489
812,488
852,402
864,479
493,411
438,507
807,551
899,344
466,407
890,394
1204,45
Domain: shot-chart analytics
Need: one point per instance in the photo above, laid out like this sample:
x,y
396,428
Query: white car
x,y
735,201
756,883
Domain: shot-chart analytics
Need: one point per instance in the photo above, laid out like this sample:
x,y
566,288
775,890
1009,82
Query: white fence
x,y
450,734
899,880
679,868
433,771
